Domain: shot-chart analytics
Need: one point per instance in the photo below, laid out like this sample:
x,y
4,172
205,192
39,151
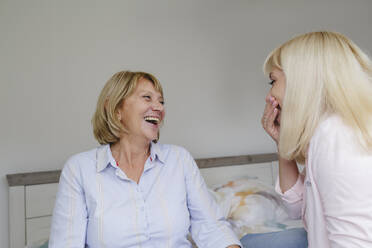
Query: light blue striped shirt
x,y
97,205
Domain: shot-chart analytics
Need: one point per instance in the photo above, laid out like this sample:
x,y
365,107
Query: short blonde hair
x,y
325,73
106,125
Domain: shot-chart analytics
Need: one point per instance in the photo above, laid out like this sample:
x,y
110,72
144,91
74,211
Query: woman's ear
x,y
118,115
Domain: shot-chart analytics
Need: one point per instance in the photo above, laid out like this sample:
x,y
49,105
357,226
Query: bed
x,y
32,195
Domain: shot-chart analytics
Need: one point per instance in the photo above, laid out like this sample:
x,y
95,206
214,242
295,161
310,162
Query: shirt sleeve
x,y
343,177
293,197
208,226
68,228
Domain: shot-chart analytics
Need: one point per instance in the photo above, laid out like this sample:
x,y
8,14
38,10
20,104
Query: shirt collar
x,y
105,158
156,152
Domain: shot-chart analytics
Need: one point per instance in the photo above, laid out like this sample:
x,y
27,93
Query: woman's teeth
x,y
151,119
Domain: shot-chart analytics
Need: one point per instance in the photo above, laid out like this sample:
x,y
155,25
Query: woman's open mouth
x,y
152,120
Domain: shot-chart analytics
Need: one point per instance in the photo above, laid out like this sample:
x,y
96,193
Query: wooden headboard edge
x,y
43,177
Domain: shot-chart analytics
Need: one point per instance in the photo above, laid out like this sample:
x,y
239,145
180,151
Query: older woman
x,y
319,112
133,191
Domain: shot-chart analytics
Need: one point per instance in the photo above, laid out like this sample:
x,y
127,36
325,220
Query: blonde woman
x,y
133,191
319,112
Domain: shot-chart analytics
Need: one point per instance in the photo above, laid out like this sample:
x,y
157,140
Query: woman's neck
x,y
131,152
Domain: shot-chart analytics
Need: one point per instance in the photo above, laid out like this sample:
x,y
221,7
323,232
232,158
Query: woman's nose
x,y
158,106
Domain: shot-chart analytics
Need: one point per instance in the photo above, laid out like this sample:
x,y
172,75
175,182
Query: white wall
x,y
55,56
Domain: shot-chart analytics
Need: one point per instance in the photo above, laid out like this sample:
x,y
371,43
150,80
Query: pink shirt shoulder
x,y
336,193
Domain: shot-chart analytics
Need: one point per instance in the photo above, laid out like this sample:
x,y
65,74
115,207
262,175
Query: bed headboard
x,y
32,195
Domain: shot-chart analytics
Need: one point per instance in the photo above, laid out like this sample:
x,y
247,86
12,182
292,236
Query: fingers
x,y
269,116
266,113
273,114
270,106
269,98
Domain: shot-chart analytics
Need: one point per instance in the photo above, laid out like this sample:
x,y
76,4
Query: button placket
x,y
142,209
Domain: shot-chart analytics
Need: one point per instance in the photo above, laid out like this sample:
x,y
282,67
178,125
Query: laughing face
x,y
143,111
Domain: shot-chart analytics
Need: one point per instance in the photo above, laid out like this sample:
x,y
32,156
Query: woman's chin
x,y
150,131
152,136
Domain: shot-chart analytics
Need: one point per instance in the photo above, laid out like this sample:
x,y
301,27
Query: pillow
x,y
251,206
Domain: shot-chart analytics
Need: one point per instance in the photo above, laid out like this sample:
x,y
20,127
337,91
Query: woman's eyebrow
x,y
149,92
145,92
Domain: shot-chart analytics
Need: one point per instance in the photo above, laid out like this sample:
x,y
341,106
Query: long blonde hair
x,y
325,73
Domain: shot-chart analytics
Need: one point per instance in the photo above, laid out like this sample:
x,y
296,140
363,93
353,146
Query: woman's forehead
x,y
144,84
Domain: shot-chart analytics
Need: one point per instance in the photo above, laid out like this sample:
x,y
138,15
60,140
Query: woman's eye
x,y
272,82
162,102
147,97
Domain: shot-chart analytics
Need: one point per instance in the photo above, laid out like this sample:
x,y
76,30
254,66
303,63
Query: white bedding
x,y
251,206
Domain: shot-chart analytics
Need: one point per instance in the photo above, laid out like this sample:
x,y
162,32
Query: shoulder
x,y
83,157
82,160
334,148
169,150
336,162
328,144
331,125
176,156
333,130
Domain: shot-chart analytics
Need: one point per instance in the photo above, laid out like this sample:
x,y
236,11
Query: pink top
x,y
334,198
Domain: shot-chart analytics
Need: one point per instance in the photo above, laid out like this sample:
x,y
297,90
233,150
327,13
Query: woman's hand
x,y
269,116
288,170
